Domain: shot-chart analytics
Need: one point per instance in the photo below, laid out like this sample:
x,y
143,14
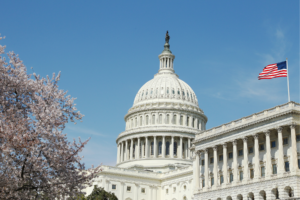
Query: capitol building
x,y
166,153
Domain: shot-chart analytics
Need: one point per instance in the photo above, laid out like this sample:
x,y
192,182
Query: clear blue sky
x,y
106,50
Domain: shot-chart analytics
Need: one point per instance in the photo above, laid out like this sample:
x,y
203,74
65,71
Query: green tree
x,y
101,194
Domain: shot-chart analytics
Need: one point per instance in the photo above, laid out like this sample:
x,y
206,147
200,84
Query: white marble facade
x,y
166,153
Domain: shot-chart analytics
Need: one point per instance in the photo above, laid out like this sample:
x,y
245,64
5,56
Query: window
x,y
136,124
141,121
147,120
167,191
274,166
143,190
241,152
203,183
261,147
287,166
230,155
151,91
133,152
174,189
141,149
221,179
297,138
160,118
113,187
173,91
285,141
184,187
187,121
241,175
153,119
231,177
251,173
299,163
152,148
175,148
220,157
174,119
128,188
250,150
168,119
159,148
183,93
262,171
212,181
181,120
168,148
182,147
273,144
167,90
203,163
211,160
193,122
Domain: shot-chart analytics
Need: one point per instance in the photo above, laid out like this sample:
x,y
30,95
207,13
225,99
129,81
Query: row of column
x,y
126,148
165,118
166,62
280,164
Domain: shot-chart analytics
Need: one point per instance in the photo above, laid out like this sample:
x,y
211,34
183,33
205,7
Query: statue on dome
x,y
167,37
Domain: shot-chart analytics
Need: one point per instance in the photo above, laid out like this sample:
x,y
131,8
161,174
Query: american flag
x,y
274,71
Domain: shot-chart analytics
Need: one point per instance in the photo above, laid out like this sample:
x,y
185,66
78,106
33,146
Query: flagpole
x,y
288,85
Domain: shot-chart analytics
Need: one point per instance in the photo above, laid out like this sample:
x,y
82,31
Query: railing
x,y
248,119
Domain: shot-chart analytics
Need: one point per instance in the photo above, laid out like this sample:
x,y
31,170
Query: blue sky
x,y
106,50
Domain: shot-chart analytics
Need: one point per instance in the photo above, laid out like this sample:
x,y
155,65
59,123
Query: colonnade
x,y
159,146
166,62
173,118
236,173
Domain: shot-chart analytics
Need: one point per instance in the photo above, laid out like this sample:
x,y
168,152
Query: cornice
x,y
154,129
157,158
245,124
166,109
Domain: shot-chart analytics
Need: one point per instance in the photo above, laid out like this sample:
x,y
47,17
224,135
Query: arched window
x,y
136,122
178,92
167,90
152,148
147,120
175,148
131,123
187,93
183,93
174,119
187,121
151,91
133,150
159,148
141,149
168,119
162,91
193,122
173,91
168,148
198,124
181,120
141,120
160,118
146,92
153,119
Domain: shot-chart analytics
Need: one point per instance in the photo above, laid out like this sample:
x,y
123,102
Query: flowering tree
x,y
36,159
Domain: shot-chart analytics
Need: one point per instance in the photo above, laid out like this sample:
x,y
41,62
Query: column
x,y
154,192
256,157
138,149
294,156
206,168
155,147
268,154
131,149
122,190
168,62
280,165
235,165
118,154
146,147
196,171
122,151
246,164
172,147
137,186
180,149
189,146
126,149
225,163
196,123
163,147
215,148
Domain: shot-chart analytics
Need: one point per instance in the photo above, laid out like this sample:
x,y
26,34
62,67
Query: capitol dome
x,y
163,121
